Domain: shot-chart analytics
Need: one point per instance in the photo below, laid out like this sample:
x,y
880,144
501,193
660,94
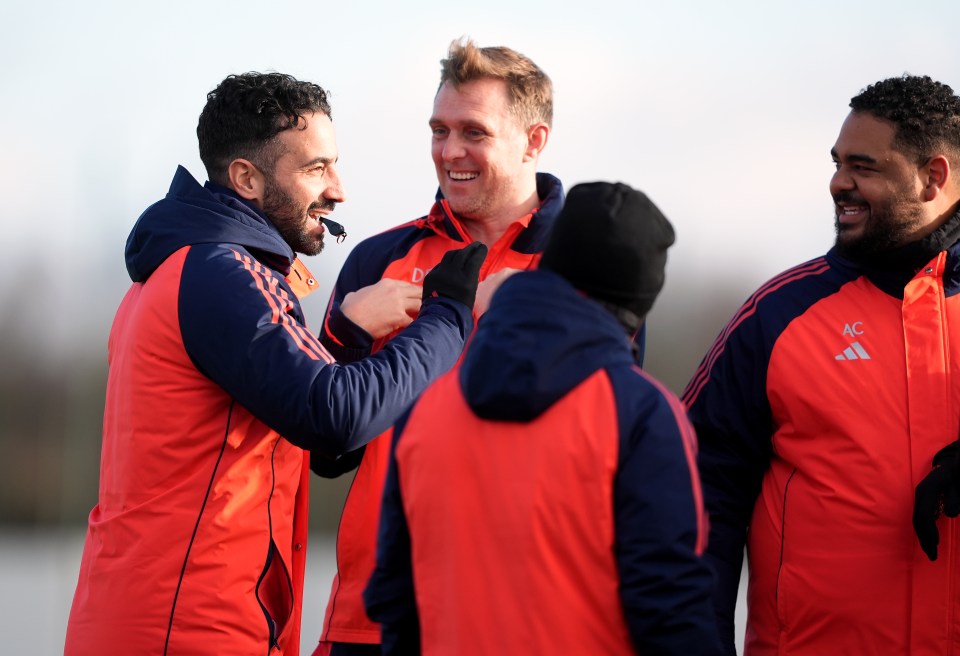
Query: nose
x,y
453,148
840,181
334,190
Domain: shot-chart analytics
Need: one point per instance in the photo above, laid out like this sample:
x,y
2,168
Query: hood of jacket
x,y
539,339
192,214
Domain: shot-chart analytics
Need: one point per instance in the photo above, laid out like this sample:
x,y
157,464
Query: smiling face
x,y
485,163
877,190
304,184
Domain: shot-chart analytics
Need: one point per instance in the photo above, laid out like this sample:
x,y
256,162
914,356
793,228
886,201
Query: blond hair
x,y
529,88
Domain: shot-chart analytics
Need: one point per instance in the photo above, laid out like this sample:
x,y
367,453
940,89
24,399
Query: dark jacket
x,y
819,409
198,539
542,496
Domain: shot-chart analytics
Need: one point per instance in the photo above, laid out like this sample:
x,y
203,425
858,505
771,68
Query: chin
x,y
849,233
309,246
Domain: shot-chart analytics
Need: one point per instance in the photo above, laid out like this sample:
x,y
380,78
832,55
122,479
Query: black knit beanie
x,y
610,241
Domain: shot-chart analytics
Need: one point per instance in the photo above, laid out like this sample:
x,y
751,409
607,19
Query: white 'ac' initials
x,y
855,328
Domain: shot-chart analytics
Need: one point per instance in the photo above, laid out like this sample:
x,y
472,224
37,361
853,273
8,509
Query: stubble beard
x,y
889,226
482,205
292,220
472,209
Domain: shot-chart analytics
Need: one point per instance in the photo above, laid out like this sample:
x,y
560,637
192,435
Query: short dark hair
x,y
925,115
244,115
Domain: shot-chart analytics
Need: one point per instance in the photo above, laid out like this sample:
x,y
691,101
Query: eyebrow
x,y
854,157
320,160
434,121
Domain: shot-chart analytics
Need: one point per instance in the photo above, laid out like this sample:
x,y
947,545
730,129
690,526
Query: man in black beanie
x,y
612,245
547,482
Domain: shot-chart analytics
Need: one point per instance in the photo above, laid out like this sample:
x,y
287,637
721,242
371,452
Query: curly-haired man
x,y
823,403
218,394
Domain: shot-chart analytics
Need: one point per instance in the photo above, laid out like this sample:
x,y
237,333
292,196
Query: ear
x,y
937,173
537,137
247,180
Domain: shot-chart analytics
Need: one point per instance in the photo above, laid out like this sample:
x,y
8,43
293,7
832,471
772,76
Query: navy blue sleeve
x,y
365,266
640,341
728,406
331,467
665,583
345,340
389,596
243,328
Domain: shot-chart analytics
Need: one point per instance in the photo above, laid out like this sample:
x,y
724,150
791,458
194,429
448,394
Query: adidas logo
x,y
853,352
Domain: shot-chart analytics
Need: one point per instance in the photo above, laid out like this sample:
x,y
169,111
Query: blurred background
x,y
724,113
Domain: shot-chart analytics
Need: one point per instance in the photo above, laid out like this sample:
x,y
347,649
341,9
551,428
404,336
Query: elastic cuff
x,y
345,340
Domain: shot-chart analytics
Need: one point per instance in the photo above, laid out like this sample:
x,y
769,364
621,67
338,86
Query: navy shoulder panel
x,y
756,326
647,410
728,405
660,524
951,275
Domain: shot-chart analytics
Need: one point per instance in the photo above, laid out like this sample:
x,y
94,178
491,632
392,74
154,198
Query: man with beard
x,y
830,398
491,120
218,394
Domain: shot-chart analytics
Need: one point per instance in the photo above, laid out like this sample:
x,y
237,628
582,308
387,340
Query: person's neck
x,y
490,228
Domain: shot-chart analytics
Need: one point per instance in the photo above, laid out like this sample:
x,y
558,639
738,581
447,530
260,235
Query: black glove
x,y
938,493
457,274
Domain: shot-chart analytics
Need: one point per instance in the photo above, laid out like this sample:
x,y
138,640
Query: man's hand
x,y
938,493
457,274
383,307
486,289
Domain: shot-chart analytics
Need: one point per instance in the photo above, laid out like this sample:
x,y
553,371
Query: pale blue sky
x,y
724,113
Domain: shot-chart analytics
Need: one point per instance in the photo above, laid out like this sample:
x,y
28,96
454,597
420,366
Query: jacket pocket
x,y
275,594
